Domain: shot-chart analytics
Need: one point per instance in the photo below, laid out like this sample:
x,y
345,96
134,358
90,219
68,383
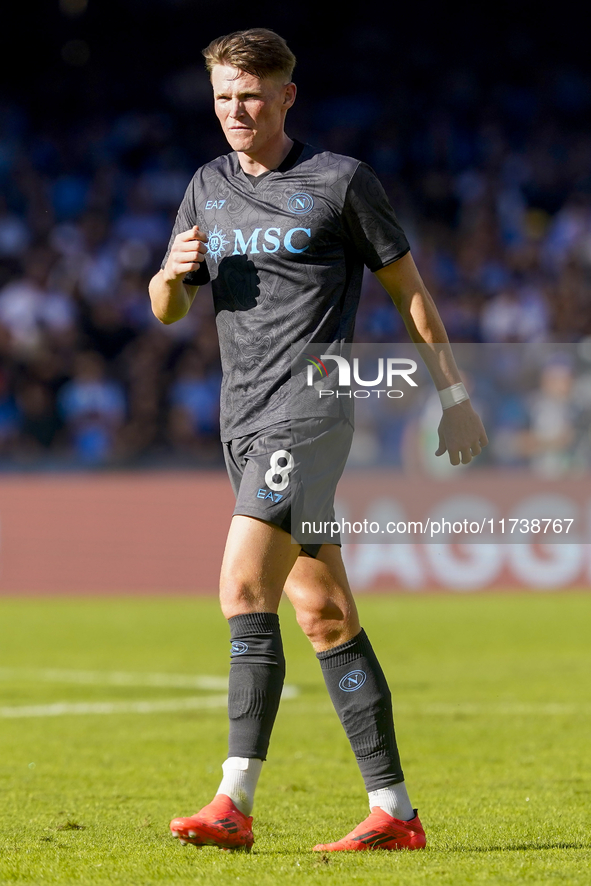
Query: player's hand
x,y
186,254
461,433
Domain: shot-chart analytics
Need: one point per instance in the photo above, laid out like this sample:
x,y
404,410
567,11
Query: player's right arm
x,y
171,298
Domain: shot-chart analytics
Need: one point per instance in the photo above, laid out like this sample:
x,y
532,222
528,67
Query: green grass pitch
x,y
492,710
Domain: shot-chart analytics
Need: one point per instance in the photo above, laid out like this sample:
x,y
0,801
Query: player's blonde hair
x,y
257,51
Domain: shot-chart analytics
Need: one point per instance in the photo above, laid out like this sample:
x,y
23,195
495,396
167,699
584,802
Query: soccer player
x,y
283,231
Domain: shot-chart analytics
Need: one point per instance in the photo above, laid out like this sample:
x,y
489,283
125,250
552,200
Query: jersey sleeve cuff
x,y
389,260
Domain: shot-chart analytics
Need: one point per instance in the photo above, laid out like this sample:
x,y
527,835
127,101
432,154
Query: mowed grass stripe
x,y
60,709
114,678
118,678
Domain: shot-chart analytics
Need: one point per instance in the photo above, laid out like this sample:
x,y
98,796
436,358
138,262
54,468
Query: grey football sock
x,y
361,697
257,672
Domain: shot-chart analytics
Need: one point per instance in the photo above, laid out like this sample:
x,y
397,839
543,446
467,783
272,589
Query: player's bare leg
x,y
325,609
257,560
319,591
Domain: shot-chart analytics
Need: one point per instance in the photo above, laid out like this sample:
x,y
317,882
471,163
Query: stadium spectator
x,y
40,422
93,409
196,393
30,310
9,416
553,412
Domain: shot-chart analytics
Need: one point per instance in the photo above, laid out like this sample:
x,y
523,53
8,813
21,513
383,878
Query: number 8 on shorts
x,y
277,477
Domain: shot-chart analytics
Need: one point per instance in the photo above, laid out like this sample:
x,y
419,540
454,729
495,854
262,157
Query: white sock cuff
x,y
239,781
242,764
394,800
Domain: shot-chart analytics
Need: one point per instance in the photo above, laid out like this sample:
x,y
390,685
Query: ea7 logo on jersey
x,y
214,204
273,496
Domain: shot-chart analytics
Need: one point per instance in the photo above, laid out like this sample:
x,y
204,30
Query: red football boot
x,y
380,831
218,824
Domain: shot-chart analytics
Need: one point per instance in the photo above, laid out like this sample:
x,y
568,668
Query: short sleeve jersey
x,y
285,258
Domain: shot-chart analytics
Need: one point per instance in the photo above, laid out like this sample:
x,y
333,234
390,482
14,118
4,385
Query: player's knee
x,y
237,597
324,624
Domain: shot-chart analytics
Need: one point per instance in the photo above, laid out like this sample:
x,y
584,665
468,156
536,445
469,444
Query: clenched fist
x,y
186,254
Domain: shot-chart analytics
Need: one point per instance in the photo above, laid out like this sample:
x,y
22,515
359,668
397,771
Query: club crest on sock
x,y
352,681
238,648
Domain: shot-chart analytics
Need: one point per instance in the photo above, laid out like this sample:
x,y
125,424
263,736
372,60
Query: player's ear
x,y
289,95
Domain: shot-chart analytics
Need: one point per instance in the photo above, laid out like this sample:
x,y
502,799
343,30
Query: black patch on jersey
x,y
239,276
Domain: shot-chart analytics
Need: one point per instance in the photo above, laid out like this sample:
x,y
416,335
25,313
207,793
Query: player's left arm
x,y
461,432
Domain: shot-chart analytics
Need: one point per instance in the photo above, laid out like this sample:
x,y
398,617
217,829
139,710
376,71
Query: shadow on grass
x,y
430,850
521,847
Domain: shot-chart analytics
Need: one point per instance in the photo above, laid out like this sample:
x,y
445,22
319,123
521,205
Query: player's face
x,y
251,111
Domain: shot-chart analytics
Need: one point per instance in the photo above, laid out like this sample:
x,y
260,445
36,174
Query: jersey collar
x,y
292,158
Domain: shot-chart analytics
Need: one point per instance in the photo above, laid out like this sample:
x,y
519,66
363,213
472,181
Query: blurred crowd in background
x,y
489,175
534,399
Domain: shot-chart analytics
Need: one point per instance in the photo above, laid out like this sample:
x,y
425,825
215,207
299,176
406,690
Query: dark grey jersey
x,y
285,257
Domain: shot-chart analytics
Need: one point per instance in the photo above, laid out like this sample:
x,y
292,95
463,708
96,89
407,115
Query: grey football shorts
x,y
287,475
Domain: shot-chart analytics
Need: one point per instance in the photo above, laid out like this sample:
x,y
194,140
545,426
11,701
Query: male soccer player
x,y
283,231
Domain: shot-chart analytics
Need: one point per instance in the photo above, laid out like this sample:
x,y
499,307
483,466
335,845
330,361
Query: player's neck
x,y
270,157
